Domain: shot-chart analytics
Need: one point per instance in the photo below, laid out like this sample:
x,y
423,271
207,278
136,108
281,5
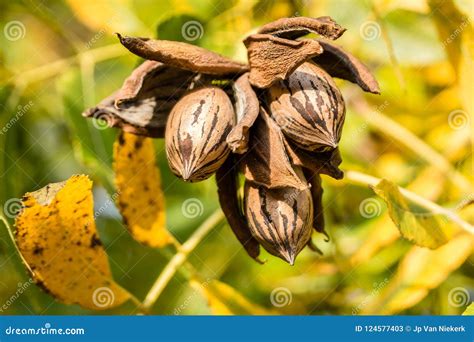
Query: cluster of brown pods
x,y
277,120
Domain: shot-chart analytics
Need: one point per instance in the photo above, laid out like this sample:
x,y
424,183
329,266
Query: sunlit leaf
x,y
450,23
57,237
430,183
139,195
225,300
420,271
466,70
416,224
469,310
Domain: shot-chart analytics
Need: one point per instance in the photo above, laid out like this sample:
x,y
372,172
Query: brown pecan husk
x,y
277,120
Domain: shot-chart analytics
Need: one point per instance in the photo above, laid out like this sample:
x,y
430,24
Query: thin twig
x,y
179,258
359,178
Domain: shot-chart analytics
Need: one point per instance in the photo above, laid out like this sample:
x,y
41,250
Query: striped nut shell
x,y
280,219
309,108
196,133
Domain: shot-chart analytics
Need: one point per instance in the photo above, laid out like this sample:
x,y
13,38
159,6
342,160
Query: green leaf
x,y
416,224
182,28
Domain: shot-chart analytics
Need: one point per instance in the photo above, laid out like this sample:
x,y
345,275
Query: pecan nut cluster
x,y
276,120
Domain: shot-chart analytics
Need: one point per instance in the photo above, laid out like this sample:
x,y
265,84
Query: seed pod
x,y
196,133
309,108
280,219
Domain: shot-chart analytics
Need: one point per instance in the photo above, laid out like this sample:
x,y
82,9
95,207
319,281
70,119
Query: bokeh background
x,y
61,57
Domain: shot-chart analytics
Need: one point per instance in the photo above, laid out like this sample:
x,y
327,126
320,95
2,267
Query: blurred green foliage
x,y
63,58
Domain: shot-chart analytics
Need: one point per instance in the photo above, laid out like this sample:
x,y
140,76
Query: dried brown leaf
x,y
341,64
272,58
246,108
227,189
296,27
182,55
143,103
267,163
319,162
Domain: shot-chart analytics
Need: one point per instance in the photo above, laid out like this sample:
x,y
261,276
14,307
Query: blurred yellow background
x,y
60,57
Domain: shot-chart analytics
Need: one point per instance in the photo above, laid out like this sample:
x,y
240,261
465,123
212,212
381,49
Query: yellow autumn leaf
x,y
57,237
420,271
469,310
450,22
416,224
225,300
430,183
466,78
140,198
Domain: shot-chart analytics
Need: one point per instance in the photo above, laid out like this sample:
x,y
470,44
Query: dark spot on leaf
x,y
121,139
38,250
95,241
138,144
